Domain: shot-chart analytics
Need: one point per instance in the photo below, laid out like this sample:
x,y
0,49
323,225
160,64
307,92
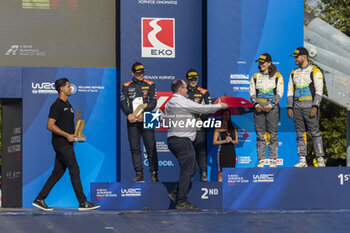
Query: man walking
x,y
61,124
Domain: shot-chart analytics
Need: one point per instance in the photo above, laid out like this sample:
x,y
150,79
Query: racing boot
x,y
320,162
261,163
139,177
302,162
273,163
204,177
155,176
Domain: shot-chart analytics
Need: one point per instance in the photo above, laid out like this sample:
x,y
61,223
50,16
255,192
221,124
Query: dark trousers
x,y
200,146
183,150
65,157
135,131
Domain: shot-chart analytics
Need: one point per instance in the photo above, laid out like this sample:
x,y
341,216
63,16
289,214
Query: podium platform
x,y
153,196
241,189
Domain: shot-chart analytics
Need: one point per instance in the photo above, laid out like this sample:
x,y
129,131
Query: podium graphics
x,y
241,189
153,196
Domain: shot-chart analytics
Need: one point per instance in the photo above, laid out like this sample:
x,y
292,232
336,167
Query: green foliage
x,y
335,12
333,117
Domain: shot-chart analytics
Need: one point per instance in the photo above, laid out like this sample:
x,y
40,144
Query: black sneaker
x,y
139,177
185,206
41,205
155,176
204,177
173,197
87,206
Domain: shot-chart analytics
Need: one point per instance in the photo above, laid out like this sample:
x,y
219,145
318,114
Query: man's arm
x,y
124,103
51,125
318,84
207,100
290,93
152,93
194,107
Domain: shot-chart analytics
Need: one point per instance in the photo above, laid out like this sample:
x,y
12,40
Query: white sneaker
x,y
273,163
302,162
261,163
320,162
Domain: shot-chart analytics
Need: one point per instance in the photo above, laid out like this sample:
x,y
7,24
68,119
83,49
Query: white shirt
x,y
181,109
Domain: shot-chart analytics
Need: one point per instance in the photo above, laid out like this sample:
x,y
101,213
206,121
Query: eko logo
x,y
158,37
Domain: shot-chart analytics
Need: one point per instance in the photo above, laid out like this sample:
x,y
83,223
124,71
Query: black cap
x,y
300,51
264,58
137,67
191,73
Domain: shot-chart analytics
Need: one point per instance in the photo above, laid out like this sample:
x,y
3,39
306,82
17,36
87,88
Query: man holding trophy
x,y
61,124
140,95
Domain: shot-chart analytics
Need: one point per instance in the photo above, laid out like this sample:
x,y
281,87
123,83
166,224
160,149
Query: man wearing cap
x,y
266,90
135,92
200,96
305,89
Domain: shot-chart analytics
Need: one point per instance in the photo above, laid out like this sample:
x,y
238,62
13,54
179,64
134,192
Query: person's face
x,y
226,116
263,66
299,60
138,76
183,89
192,82
66,89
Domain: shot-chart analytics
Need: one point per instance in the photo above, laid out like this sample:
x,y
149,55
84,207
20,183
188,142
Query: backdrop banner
x,y
94,93
238,32
166,37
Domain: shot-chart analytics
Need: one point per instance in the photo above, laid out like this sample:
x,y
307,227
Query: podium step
x,y
153,196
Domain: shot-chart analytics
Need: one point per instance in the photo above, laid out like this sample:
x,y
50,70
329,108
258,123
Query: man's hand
x,y
259,108
131,118
267,108
313,112
290,113
139,118
224,106
70,137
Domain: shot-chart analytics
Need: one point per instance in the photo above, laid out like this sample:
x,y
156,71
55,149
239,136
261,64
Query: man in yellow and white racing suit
x,y
305,89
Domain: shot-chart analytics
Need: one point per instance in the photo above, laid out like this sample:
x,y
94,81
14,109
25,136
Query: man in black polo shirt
x,y
61,124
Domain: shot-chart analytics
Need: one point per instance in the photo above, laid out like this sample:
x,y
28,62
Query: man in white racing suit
x,y
305,89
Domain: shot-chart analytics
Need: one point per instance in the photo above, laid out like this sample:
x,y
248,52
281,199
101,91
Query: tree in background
x,y
333,119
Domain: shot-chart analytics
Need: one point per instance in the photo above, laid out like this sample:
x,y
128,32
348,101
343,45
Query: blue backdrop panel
x,y
238,32
181,30
94,93
153,196
286,188
11,82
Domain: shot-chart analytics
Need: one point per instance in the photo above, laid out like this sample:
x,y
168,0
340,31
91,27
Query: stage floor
x,y
70,220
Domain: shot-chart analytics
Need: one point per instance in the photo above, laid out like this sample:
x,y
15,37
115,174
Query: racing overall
x,y
265,90
305,89
131,90
201,96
